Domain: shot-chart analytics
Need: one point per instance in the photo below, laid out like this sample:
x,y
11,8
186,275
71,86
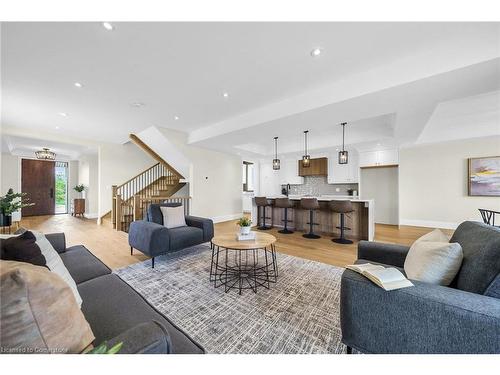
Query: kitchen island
x,y
361,220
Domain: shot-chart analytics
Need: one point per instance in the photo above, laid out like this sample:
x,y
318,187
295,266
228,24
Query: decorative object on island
x,y
244,223
306,159
9,203
79,206
343,155
276,161
45,154
484,176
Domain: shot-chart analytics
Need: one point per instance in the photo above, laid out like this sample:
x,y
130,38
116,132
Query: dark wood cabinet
x,y
317,167
78,206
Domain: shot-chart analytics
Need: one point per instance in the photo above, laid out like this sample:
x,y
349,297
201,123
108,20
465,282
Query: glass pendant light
x,y
306,159
276,161
343,155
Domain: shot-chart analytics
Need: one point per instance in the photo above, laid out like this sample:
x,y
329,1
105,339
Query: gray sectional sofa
x,y
426,318
115,311
152,238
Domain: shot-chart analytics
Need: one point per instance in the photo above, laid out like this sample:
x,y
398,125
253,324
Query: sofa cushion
x,y
481,250
111,307
22,248
183,237
39,313
173,217
82,265
154,212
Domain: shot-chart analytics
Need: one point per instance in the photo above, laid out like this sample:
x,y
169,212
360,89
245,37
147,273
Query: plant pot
x,y
5,220
245,230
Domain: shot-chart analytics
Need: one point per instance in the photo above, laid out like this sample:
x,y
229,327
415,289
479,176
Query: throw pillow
x,y
22,248
173,217
39,313
432,259
55,263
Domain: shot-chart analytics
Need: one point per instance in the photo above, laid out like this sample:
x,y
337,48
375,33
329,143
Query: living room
x,y
252,188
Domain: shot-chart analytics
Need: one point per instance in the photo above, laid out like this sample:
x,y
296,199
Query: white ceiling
x,y
385,79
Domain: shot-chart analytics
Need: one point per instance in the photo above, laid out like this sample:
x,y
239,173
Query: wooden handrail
x,y
144,171
153,154
164,198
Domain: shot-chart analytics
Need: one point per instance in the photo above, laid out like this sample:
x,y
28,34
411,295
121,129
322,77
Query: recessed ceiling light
x,y
57,127
137,104
225,95
378,144
78,84
176,118
107,26
63,114
316,52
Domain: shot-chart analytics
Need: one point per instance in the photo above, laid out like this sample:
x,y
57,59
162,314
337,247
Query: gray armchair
x,y
461,318
152,238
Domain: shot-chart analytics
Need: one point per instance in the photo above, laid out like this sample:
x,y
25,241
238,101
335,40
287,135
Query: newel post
x,y
114,188
118,210
137,207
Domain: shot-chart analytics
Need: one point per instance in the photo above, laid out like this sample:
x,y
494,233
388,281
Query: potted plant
x,y
9,203
79,188
244,224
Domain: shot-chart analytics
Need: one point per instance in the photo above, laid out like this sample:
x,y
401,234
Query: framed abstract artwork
x,y
484,176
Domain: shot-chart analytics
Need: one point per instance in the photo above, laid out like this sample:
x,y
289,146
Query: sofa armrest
x,y
385,253
144,338
424,318
58,241
150,238
207,225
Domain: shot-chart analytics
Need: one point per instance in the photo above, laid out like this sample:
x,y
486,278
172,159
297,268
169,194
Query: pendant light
x,y
45,154
306,159
276,161
343,156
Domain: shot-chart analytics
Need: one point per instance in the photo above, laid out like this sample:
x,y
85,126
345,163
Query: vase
x,y
5,220
245,230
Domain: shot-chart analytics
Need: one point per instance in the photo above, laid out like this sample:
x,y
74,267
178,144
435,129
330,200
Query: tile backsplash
x,y
318,185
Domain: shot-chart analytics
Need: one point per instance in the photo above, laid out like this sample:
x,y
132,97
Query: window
x,y
248,171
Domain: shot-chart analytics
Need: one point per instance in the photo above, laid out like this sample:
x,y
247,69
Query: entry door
x,y
38,182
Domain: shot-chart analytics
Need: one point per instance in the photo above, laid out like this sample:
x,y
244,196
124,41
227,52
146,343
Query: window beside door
x,y
248,176
61,183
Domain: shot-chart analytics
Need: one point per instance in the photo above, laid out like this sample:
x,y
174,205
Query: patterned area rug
x,y
298,314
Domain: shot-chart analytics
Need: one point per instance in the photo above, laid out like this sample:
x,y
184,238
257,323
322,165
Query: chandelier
x,y
45,154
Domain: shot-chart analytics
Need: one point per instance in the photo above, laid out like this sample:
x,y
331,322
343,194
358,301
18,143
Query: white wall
x,y
10,174
381,184
433,183
215,184
117,164
88,176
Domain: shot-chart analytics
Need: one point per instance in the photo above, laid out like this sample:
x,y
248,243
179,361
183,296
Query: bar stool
x,y
342,207
310,204
284,203
262,203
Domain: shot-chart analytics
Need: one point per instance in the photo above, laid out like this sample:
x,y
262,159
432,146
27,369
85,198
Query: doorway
x,y
46,185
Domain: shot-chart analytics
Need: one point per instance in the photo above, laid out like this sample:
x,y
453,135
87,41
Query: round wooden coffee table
x,y
243,264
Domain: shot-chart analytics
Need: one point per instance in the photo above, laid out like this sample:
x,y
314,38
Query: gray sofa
x,y
461,318
115,311
152,238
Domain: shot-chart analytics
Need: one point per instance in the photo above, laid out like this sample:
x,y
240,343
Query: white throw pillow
x,y
173,217
55,263
433,259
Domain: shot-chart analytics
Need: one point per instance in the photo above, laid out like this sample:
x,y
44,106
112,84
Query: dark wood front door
x,y
38,182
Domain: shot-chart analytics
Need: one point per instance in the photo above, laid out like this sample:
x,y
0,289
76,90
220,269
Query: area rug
x,y
298,314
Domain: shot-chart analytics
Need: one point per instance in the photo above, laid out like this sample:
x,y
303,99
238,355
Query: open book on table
x,y
386,278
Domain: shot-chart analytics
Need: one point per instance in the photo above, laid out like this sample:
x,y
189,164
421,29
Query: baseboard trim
x,y
429,224
220,219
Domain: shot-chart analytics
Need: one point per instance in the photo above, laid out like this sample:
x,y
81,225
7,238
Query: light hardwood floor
x,y
112,247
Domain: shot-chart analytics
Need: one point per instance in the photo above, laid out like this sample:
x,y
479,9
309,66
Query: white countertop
x,y
324,198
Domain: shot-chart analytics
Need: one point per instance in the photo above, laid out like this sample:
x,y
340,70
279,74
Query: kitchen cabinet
x,y
289,173
379,158
343,173
269,180
317,167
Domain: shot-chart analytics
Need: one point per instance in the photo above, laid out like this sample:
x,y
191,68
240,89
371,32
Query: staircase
x,y
154,185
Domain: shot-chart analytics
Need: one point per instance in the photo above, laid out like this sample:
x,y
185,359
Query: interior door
x,y
38,182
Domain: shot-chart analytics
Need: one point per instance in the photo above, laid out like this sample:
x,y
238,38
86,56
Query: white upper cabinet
x,y
289,173
379,158
343,173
